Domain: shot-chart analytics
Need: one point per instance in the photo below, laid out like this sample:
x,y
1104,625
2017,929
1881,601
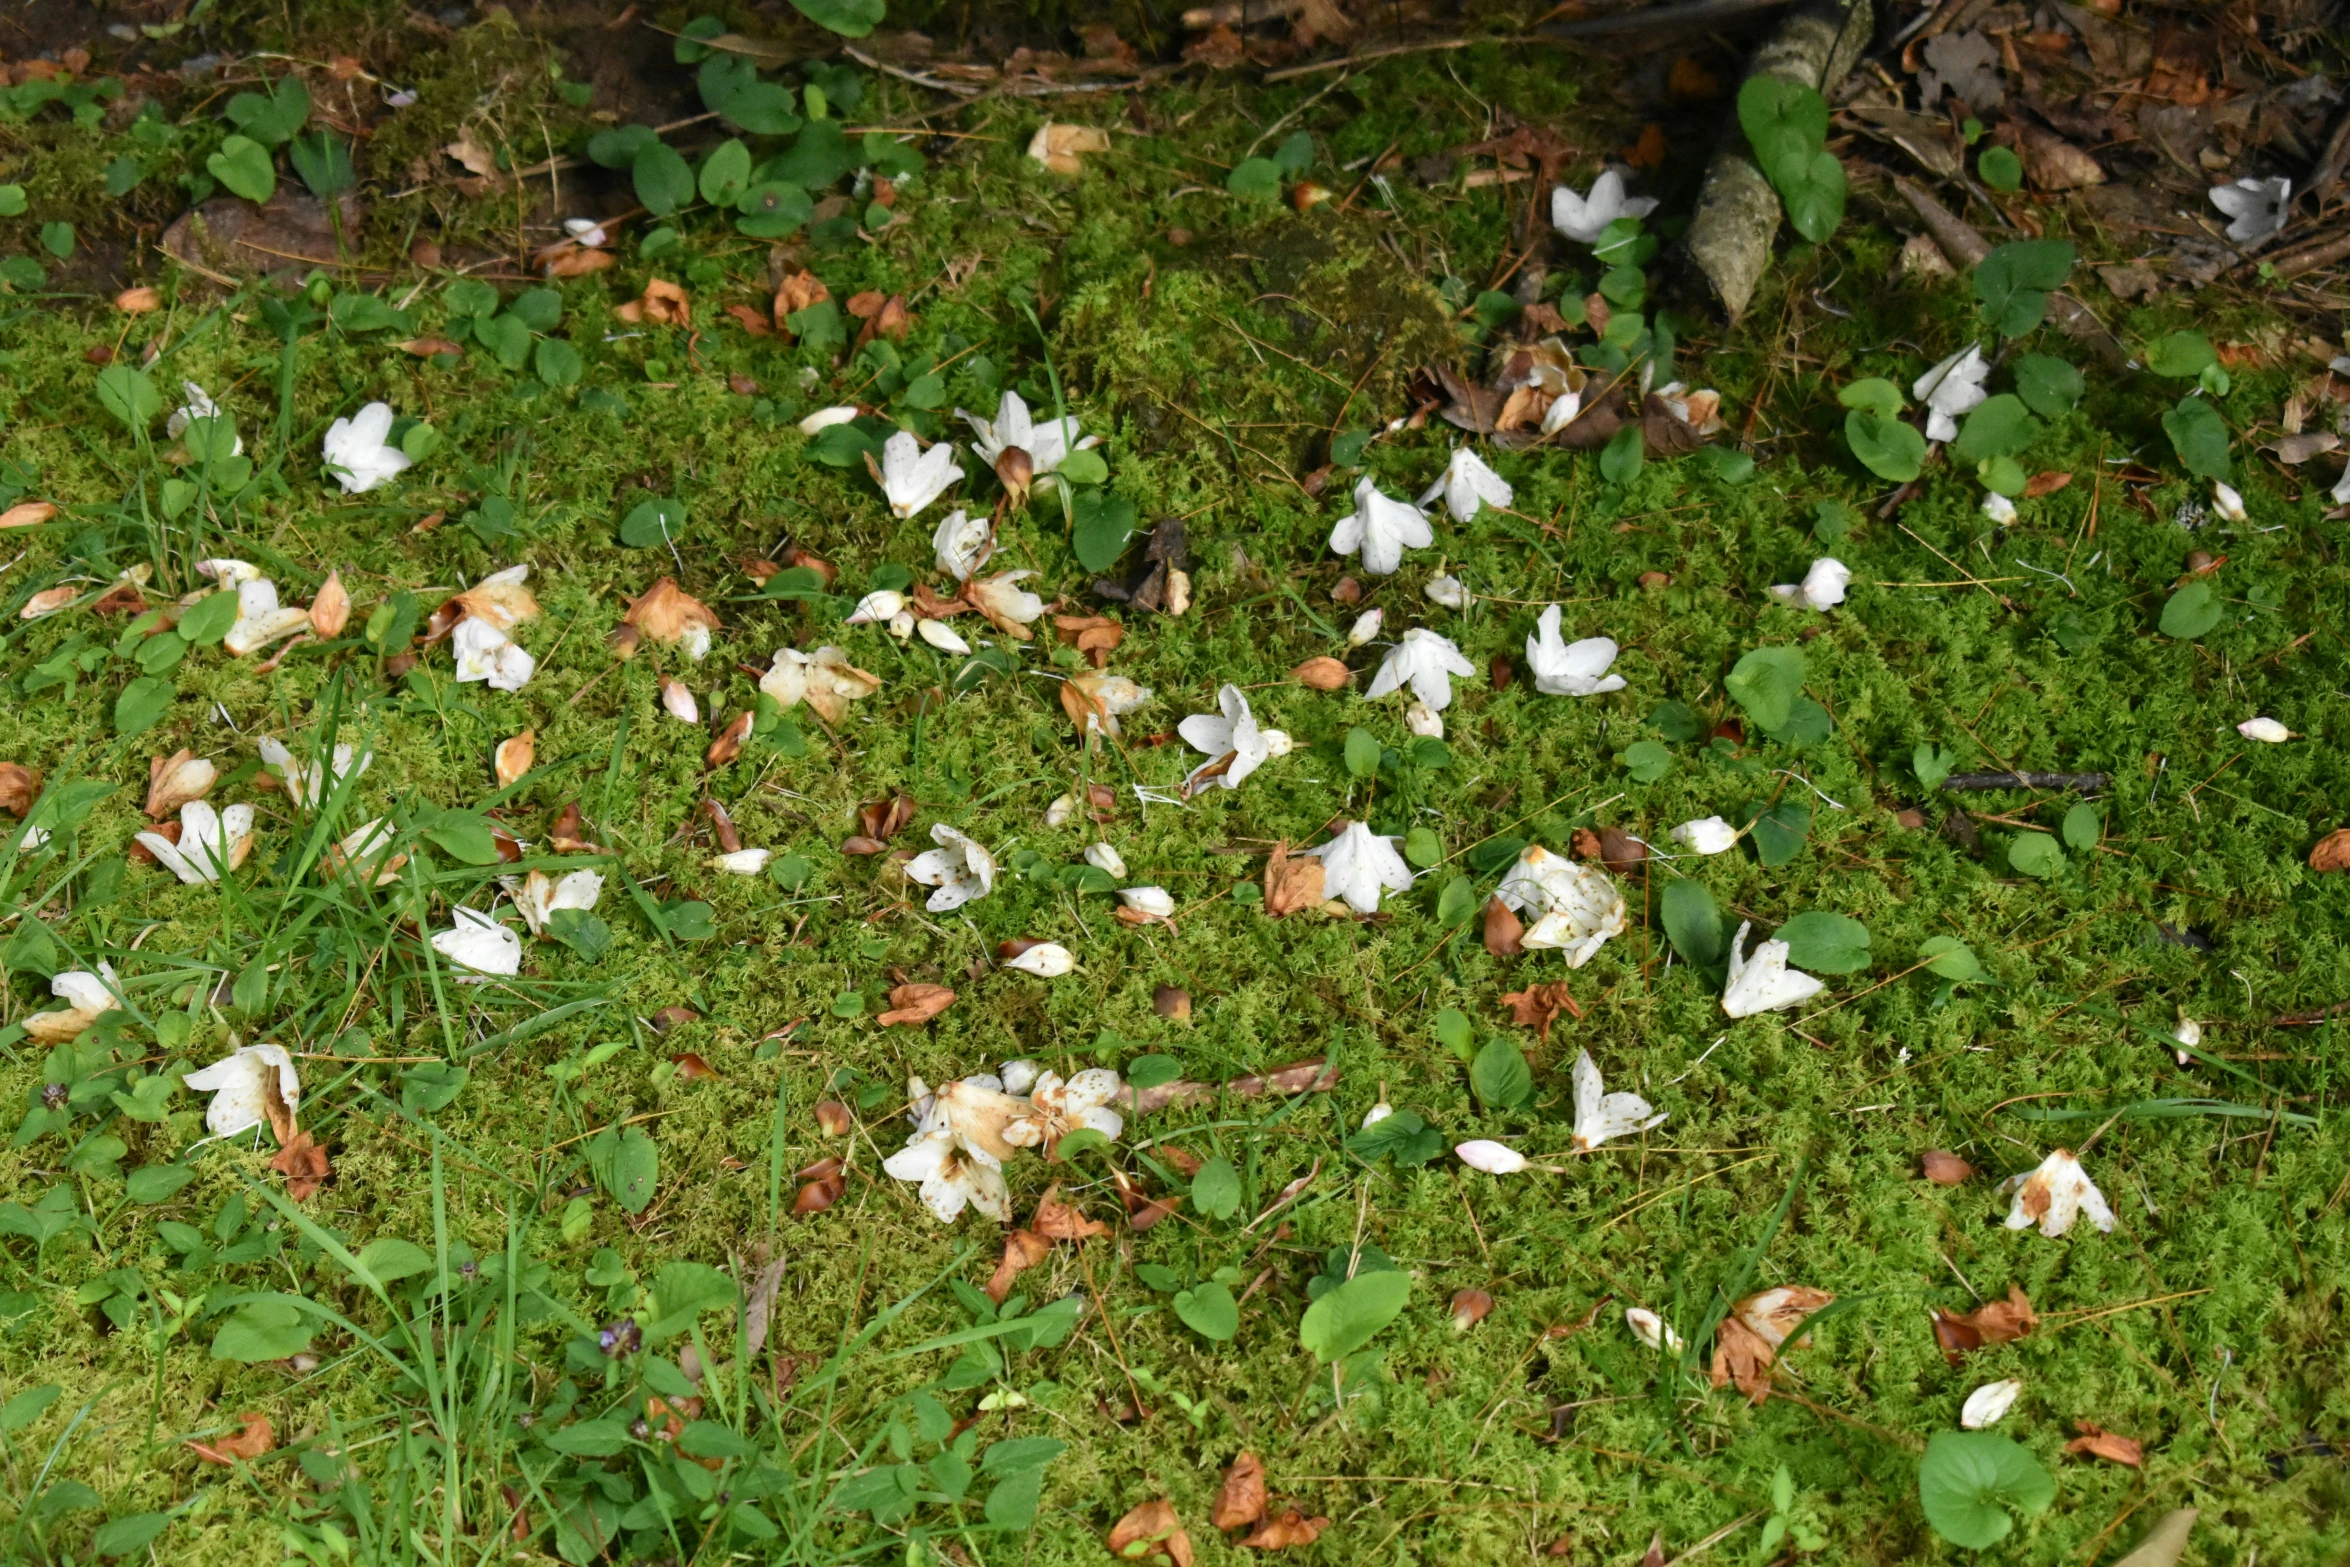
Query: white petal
x,y
1102,857
1706,835
1491,1157
942,636
824,418
1150,900
1651,1329
744,862
1366,627
479,943
1447,591
1764,982
1045,960
1988,1404
2267,729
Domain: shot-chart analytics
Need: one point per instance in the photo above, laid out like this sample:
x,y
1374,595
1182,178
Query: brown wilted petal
x,y
2105,1444
27,514
303,1163
667,613
1653,580
1291,1528
895,320
729,743
1172,1003
2045,484
138,301
754,321
1240,1501
677,700
1096,636
667,304
258,1437
1583,844
859,843
124,598
1062,148
2332,852
819,1195
1953,1335
514,755
1321,674
670,1017
1741,1356
1016,471
797,293
1619,851
567,833
1150,1213
1994,1322
834,1117
1060,1221
1777,1315
823,1169
1185,1162
886,818
691,1068
18,787
1505,933
1537,1006
48,601
427,347
1023,1249
795,555
1346,591
1944,1168
729,839
915,1004
1500,672
624,641
174,780
1148,1533
1469,1307
330,610
1290,884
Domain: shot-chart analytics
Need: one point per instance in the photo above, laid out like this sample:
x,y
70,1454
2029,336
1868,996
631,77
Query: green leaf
x,y
1885,445
2035,854
557,362
1103,524
1255,179
1362,753
584,933
324,162
507,337
1621,459
2002,476
1950,958
355,312
12,201
1814,194
1500,1075
1693,924
662,180
1209,1310
821,155
1932,764
1766,683
726,173
1350,1316
1676,721
270,1327
689,919
2049,386
1780,832
655,521
1457,902
125,392
2012,282
842,445
2082,827
465,834
1411,1140
275,116
1825,943
1422,848
1084,466
431,1086
143,702
1807,724
1731,467
1215,1189
2182,356
156,1183
2193,611
57,239
389,1258
1972,1483
2000,168
1874,394
2199,435
28,1406
772,210
1295,155
849,18
243,166
633,1171
209,618
682,1291
1998,426
129,1534
1455,1032
1785,122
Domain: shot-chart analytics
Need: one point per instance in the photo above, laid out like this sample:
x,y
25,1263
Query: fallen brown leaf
x,y
1994,1322
19,785
1619,851
1777,1315
2105,1444
1240,1501
1060,1221
1096,636
2165,1543
2047,483
1504,932
1150,1532
1290,885
911,1005
729,743
1743,1357
258,1437
1062,148
691,1068
1291,1528
426,347
1537,1006
304,1165
753,319
2332,852
1945,1169
1656,1550
886,818
1023,1249
1469,1307
667,304
797,293
1172,1004
667,613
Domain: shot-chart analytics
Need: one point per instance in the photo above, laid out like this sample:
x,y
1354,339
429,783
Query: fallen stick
x,y
2086,783
1958,239
1304,1077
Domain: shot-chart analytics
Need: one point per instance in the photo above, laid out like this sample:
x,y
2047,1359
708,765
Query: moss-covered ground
x,y
1219,346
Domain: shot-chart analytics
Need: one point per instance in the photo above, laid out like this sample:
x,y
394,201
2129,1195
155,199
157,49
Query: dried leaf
x,y
2107,1445
691,1068
258,1437
668,614
468,150
330,609
2332,852
426,347
1023,1249
2165,1543
1290,884
19,786
1469,1307
666,303
885,819
1619,851
1504,932
1062,148
819,1195
2047,483
1096,636
1150,1533
1321,674
1777,1315
304,1165
1240,1501
1060,1221
1291,1528
574,260
834,1117
124,598
797,293
513,757
915,1004
1172,1003
1945,1169
1537,1006
753,319
729,743
1743,1357
49,601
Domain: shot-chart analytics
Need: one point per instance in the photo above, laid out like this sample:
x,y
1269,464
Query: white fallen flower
x,y
1113,695
478,943
1764,982
226,572
485,652
911,477
960,868
1651,1329
242,1086
1058,813
211,842
825,418
880,605
824,679
942,636
1447,591
1584,218
1019,1075
1952,388
1989,1404
1998,508
2227,501
2054,1195
1493,1158
1425,661
1005,603
1046,443
1467,486
2189,1034
1157,902
362,851
1045,960
587,231
1056,1108
901,624
1822,587
261,620
1422,720
1564,410
1575,908
1377,1113
1230,738
1569,668
357,453
306,783
952,1178
86,995
1104,858
1357,864
2266,729
1706,835
1600,1115
962,544
677,700
1366,627
199,405
2259,208
743,862
1380,529
974,1113
538,896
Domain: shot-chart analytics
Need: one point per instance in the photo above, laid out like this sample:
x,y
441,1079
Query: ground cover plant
x,y
779,793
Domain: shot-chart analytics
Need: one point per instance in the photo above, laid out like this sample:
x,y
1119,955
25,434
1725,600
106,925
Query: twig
x,y
1344,61
2086,783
